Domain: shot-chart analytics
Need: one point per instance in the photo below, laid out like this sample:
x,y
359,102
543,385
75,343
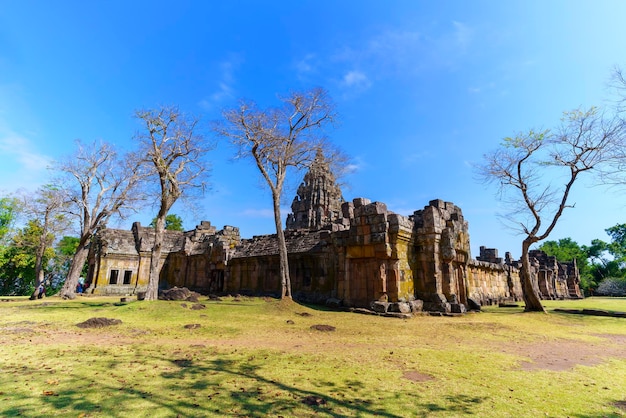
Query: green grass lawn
x,y
259,357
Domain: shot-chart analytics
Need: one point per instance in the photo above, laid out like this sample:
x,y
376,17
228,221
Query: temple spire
x,y
317,204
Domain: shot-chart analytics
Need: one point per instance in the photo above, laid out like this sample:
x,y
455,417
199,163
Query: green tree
x,y
173,222
17,273
617,246
46,206
9,209
609,258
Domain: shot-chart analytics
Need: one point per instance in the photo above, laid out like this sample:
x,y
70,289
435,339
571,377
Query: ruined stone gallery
x,y
350,253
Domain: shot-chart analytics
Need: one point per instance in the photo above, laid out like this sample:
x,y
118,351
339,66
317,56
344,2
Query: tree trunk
x,y
38,284
39,273
76,268
285,281
152,291
531,298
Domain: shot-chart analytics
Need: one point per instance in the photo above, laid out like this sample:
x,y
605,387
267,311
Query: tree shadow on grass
x,y
215,384
619,405
257,396
349,398
458,404
61,305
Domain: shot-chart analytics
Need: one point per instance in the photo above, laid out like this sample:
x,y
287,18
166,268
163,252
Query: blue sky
x,y
423,89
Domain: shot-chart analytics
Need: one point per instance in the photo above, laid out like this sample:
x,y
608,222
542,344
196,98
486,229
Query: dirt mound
x,y
179,293
313,400
416,376
322,327
99,323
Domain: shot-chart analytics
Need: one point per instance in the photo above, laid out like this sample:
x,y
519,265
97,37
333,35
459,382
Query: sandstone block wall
x,y
491,283
377,255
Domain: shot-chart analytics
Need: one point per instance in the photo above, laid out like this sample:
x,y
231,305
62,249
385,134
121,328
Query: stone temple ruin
x,y
354,254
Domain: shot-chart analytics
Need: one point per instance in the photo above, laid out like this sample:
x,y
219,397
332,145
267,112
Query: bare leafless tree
x,y
536,171
614,174
173,151
279,139
617,89
100,185
46,207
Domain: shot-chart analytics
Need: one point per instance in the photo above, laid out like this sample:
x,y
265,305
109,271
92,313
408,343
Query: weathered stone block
x,y
437,307
474,305
380,218
457,308
378,238
375,208
438,298
437,203
402,307
380,307
360,201
379,207
417,305
347,210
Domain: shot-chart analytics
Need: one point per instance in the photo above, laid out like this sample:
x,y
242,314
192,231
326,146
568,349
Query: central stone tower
x,y
317,204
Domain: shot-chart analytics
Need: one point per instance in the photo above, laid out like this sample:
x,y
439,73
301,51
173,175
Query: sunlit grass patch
x,y
259,357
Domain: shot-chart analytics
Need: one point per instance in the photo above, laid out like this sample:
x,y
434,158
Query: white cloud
x,y
12,144
351,168
22,167
355,165
394,43
225,88
463,34
389,51
394,52
356,80
306,65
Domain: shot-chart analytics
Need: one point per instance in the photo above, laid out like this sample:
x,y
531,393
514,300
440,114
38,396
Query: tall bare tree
x,y
100,185
536,171
278,139
174,152
46,208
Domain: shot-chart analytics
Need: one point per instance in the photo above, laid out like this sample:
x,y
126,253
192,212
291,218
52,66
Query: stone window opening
x,y
113,276
128,274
